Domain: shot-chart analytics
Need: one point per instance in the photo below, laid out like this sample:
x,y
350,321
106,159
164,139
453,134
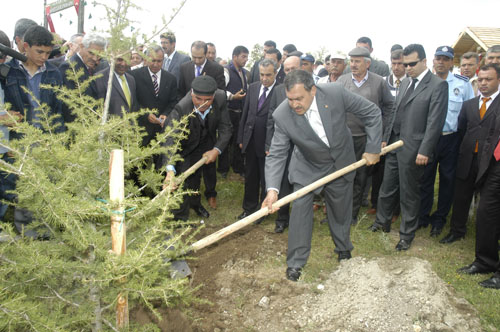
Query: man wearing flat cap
x,y
374,88
209,132
446,152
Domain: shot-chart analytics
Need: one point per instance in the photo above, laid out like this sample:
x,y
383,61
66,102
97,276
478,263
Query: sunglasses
x,y
411,64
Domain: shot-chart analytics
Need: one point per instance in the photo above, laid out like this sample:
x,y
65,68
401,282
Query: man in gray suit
x,y
314,120
173,59
418,120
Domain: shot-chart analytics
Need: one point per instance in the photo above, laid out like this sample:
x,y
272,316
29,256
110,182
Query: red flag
x,y
49,19
77,5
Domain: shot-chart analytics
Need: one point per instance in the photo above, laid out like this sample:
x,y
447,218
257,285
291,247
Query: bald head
x,y
291,63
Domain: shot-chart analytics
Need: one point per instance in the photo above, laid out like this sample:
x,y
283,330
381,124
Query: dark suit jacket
x,y
175,65
254,73
472,129
312,159
118,99
187,76
491,141
279,95
253,122
219,125
280,76
163,104
423,118
91,91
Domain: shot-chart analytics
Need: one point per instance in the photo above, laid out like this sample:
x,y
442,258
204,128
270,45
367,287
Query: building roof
x,y
474,39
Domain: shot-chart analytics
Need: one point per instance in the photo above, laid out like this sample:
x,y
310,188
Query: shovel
x,y
228,230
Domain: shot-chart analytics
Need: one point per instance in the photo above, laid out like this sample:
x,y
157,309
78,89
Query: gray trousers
x,y
338,198
403,178
359,183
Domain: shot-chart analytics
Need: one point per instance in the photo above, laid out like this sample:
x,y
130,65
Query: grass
x,y
445,259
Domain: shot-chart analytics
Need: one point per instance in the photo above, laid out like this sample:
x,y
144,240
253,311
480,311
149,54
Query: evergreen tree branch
x,y
60,297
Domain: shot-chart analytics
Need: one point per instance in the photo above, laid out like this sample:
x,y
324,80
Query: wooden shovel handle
x,y
222,233
184,175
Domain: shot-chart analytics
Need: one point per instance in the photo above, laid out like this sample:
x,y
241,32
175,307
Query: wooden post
x,y
118,228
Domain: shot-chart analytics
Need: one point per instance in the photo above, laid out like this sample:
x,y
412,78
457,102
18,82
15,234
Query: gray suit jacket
x,y
312,159
423,118
174,67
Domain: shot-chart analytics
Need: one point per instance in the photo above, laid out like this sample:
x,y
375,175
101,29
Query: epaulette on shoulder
x,y
465,78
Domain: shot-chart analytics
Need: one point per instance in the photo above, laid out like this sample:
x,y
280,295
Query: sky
x,y
310,25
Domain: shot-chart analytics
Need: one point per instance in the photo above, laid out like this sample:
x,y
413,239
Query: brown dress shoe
x,y
372,211
212,202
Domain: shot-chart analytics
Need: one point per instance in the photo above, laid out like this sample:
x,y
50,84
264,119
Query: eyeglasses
x,y
411,64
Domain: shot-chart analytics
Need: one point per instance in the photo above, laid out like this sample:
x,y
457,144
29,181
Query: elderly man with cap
x,y
446,152
335,68
374,88
307,64
209,133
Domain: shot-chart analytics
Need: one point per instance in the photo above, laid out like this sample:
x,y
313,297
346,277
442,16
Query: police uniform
x,y
446,153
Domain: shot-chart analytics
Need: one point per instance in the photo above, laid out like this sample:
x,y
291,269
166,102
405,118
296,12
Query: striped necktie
x,y
155,84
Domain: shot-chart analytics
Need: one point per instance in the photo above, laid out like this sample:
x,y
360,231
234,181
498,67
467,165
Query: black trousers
x,y
231,156
255,182
210,179
462,198
488,220
446,156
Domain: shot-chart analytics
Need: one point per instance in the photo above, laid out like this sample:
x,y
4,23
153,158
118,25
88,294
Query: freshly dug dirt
x,y
244,279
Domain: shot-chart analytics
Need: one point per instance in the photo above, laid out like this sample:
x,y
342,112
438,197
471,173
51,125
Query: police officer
x,y
446,153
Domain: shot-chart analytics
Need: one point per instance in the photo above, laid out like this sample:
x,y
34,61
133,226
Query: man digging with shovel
x,y
314,120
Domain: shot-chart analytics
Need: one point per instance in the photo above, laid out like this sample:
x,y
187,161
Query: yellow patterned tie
x,y
126,91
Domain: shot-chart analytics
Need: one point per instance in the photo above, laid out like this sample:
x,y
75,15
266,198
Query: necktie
x,y
198,71
167,63
398,82
125,89
155,84
496,153
396,128
317,125
482,112
262,99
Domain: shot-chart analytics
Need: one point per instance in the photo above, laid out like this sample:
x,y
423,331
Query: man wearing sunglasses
x,y
459,90
418,120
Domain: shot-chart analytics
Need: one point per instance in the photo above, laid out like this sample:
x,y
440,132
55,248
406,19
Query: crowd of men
x,y
292,120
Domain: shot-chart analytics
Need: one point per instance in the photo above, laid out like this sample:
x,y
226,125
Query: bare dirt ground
x,y
243,278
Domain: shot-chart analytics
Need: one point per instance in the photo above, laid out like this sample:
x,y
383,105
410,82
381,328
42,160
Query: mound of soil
x,y
248,291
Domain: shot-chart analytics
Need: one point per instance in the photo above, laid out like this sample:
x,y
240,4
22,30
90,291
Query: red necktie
x,y
496,153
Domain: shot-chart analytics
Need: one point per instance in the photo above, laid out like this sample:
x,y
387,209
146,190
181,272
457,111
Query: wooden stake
x,y
118,228
222,233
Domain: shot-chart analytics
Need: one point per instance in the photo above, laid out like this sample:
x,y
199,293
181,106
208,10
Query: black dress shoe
x,y
450,238
293,273
473,269
244,215
436,231
223,175
377,227
493,282
403,245
279,228
344,255
201,211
